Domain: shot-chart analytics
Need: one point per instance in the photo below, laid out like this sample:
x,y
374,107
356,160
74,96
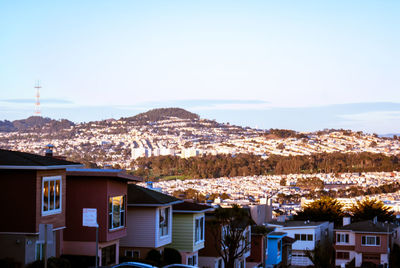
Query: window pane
x,y
310,237
303,237
297,236
51,191
202,228
347,238
46,196
378,240
58,189
363,240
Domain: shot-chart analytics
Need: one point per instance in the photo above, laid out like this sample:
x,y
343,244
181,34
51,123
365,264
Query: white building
x,y
307,234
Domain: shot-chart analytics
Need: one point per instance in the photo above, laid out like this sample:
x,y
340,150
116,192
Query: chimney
x,y
346,221
49,150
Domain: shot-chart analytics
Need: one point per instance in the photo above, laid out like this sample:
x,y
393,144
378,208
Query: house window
x,y
163,223
134,254
192,260
370,240
303,237
108,255
116,212
51,195
342,238
342,255
39,251
199,230
220,263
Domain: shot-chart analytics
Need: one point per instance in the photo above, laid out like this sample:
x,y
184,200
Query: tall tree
x,y
324,209
368,208
231,232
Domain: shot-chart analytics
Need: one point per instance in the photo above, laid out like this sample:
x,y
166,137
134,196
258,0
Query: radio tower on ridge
x,y
37,104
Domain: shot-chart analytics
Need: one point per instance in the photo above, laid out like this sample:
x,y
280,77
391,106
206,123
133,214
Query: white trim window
x,y
370,240
199,229
192,260
51,195
342,238
116,212
163,225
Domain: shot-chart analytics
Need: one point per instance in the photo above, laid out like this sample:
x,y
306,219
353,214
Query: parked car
x,y
132,264
177,265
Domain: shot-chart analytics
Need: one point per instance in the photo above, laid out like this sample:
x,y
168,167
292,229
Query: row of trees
x,y
214,166
330,209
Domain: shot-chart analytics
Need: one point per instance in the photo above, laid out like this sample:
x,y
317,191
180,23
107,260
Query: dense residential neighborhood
x,y
177,132
143,224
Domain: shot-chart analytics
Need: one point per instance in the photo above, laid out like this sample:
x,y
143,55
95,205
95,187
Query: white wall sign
x,y
89,217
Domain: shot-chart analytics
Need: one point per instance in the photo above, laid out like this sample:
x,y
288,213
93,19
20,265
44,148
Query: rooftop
x,y
97,172
20,160
369,227
190,207
297,223
140,196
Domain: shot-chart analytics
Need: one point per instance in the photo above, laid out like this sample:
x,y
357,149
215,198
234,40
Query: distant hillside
x,y
163,113
35,123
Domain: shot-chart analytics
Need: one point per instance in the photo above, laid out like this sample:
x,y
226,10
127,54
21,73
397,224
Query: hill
x,y
162,114
37,123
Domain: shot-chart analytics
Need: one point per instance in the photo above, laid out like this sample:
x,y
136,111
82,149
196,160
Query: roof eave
x,y
192,211
155,205
41,167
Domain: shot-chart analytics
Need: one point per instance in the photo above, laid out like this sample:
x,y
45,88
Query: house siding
x,y
23,200
183,232
141,225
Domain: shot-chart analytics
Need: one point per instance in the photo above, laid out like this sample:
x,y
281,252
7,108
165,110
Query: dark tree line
x,y
211,166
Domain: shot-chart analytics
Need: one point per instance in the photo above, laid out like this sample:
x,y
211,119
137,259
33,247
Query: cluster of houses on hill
x,y
44,200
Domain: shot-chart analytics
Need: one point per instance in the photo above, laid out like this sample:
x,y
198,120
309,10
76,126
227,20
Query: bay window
x,y
116,212
199,230
51,195
163,221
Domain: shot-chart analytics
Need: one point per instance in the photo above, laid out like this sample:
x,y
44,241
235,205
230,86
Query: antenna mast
x,y
37,104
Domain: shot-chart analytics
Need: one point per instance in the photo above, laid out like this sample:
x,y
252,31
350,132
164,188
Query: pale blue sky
x,y
257,63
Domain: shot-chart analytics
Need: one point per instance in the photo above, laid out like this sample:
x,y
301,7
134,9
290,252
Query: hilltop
x,y
35,123
162,114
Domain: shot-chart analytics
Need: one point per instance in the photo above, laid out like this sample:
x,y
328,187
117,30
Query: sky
x,y
302,65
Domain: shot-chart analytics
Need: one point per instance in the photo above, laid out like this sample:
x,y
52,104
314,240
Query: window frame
x,y
122,213
50,179
167,222
342,238
202,224
376,238
343,255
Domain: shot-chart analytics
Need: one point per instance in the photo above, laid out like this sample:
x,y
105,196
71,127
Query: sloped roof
x,y
118,174
190,207
140,196
369,227
20,160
